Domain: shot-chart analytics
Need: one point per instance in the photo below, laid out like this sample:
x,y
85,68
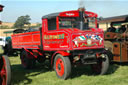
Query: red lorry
x,y
66,39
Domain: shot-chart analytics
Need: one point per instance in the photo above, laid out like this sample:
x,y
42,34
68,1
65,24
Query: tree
x,y
21,21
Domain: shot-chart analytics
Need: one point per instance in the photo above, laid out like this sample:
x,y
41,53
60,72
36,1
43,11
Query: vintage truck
x,y
5,70
66,39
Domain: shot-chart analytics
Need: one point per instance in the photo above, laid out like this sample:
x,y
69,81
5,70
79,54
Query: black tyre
x,y
5,71
26,60
109,53
102,65
62,66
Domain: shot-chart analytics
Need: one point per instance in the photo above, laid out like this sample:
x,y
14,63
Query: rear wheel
x,y
5,71
62,66
26,60
41,59
102,65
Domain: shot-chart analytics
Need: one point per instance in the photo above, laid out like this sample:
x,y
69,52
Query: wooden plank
x,y
116,51
124,52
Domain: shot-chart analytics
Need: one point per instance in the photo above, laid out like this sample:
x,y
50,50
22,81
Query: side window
x,y
52,24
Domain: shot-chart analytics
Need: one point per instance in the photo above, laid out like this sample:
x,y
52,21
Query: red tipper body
x,y
60,39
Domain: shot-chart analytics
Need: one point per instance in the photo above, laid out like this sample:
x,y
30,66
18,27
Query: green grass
x,y
43,75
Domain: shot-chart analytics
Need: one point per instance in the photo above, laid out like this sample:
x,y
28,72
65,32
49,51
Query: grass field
x,y
43,75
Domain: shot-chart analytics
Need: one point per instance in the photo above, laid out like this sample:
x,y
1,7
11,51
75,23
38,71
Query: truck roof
x,y
73,13
52,15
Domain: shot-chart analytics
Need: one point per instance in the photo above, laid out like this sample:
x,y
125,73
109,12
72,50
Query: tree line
x,y
21,22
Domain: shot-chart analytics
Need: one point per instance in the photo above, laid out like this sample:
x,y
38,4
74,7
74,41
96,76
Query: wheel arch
x,y
63,53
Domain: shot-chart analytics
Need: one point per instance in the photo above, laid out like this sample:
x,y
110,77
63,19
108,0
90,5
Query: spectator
x,y
111,28
122,29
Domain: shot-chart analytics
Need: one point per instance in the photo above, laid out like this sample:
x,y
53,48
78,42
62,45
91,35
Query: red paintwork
x,y
94,43
75,13
59,67
26,40
37,52
67,42
3,72
96,22
1,8
63,53
30,54
57,23
60,39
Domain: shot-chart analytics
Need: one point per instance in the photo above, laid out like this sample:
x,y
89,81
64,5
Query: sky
x,y
38,8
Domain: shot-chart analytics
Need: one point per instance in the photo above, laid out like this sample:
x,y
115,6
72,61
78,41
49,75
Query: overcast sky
x,y
38,8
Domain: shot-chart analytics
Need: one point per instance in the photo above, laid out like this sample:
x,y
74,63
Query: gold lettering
x,y
60,36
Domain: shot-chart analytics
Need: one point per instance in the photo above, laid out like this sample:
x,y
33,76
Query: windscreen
x,y
69,22
73,22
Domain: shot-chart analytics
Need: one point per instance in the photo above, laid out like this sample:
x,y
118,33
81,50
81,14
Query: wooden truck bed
x,y
29,40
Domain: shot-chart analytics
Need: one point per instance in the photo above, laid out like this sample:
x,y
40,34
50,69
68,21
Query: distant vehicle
x,y
117,42
2,41
8,47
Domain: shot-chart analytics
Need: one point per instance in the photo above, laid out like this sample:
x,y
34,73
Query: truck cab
x,y
71,30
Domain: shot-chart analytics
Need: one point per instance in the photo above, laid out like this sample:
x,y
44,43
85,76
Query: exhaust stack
x,y
83,22
81,17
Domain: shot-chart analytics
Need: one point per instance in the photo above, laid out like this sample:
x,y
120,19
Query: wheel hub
x,y
60,67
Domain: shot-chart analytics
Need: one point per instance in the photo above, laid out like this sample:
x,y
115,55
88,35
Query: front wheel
x,y
102,65
62,66
5,70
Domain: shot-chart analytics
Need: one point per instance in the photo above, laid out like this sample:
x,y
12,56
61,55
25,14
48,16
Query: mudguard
x,y
63,53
